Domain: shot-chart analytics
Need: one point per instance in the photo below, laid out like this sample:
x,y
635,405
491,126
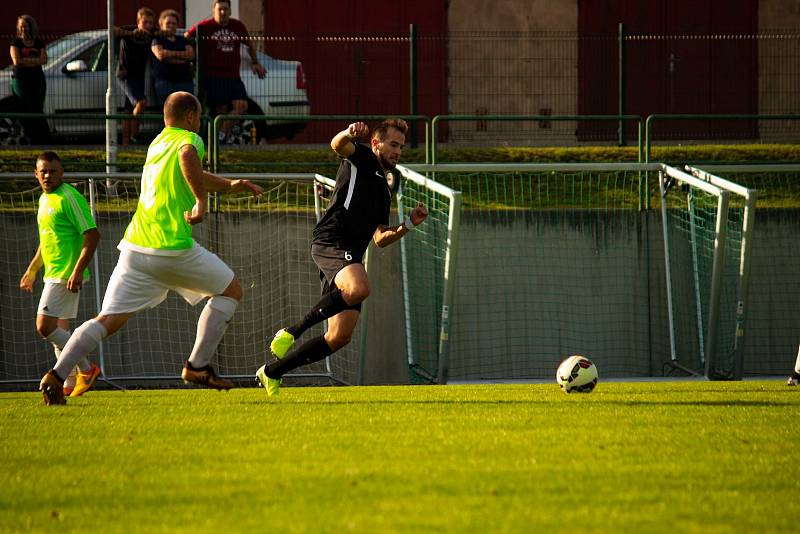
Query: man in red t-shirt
x,y
221,39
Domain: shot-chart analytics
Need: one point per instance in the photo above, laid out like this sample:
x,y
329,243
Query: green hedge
x,y
323,160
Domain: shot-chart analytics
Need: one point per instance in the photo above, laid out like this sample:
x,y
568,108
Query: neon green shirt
x,y
63,218
158,226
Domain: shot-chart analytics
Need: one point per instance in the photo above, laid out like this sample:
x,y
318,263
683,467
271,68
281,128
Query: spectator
x,y
172,69
28,83
225,92
134,56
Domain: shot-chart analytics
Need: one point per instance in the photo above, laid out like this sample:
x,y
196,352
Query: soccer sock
x,y
797,363
210,328
311,351
329,305
82,342
59,338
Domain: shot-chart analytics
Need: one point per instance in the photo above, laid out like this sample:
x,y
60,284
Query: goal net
x,y
265,240
708,227
553,260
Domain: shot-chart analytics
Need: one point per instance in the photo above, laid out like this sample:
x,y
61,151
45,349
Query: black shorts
x,y
134,91
330,261
223,91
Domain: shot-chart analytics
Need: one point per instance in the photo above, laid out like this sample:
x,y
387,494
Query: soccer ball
x,y
577,374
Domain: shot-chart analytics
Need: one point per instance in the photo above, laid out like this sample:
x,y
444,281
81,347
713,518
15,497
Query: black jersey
x,y
360,202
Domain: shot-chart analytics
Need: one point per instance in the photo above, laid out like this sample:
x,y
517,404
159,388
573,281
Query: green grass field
x,y
643,457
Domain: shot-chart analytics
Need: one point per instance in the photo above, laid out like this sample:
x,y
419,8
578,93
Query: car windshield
x,y
58,48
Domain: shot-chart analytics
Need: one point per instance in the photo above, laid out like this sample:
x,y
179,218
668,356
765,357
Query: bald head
x,y
182,110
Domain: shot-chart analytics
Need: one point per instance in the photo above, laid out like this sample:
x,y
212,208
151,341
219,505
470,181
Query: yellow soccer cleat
x,y
272,385
281,343
85,381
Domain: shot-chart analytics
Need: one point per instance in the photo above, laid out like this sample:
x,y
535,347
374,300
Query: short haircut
x,y
169,13
380,132
180,104
215,2
144,12
47,155
32,26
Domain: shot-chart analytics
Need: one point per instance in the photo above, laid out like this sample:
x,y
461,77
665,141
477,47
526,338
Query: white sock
x,y
59,338
797,363
210,328
82,342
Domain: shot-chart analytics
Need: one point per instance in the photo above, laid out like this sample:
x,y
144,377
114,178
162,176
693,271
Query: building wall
x,y
512,57
775,17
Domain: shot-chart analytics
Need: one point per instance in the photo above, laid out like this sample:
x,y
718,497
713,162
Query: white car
x,y
77,80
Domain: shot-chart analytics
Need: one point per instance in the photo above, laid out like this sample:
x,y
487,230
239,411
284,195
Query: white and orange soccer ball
x,y
577,374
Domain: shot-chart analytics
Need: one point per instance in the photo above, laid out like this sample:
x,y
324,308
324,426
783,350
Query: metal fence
x,y
474,73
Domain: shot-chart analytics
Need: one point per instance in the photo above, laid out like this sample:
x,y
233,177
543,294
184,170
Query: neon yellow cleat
x,y
84,382
281,343
272,385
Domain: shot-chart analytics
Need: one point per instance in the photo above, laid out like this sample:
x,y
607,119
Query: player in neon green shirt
x,y
68,238
158,253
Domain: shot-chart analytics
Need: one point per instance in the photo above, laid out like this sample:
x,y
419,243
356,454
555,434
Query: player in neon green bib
x,y
68,238
158,253
159,224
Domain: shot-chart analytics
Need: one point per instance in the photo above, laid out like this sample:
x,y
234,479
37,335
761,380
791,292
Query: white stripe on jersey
x,y
351,187
76,208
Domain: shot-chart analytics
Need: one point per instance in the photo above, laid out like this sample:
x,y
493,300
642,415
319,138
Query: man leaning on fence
x,y
221,37
68,238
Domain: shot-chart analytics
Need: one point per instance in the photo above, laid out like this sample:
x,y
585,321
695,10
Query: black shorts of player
x,y
134,92
330,261
223,91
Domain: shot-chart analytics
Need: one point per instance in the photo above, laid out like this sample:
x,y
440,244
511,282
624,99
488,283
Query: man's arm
x,y
90,239
255,65
342,142
193,173
26,283
386,235
218,184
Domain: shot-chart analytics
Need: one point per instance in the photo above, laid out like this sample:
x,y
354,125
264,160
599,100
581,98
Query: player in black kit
x,y
358,212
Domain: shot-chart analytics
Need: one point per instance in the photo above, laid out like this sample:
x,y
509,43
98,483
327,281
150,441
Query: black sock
x,y
329,305
55,374
311,351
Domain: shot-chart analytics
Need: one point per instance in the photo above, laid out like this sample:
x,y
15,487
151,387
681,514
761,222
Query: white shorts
x,y
141,281
58,301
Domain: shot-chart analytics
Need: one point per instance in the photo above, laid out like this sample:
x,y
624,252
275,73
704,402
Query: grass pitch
x,y
643,457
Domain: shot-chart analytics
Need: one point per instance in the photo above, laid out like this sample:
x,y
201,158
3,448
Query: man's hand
x,y
27,280
358,129
246,185
259,70
197,214
75,282
419,214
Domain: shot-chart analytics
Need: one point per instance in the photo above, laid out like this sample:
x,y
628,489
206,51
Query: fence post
x,y
412,70
621,130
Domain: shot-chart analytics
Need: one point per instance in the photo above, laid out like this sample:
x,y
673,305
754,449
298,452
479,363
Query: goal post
x,y
429,258
707,224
